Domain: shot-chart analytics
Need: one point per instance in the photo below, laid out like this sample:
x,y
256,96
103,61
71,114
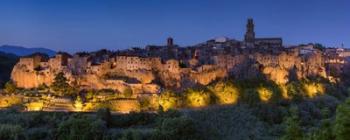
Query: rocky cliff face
x,y
283,67
26,78
148,75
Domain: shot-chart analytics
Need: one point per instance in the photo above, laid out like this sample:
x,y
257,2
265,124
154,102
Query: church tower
x,y
170,42
249,36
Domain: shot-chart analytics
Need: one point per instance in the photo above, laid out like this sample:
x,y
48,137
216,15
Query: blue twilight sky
x,y
87,25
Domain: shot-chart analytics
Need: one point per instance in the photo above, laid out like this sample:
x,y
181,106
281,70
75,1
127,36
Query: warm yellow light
x,y
125,106
284,91
198,98
78,107
35,106
264,94
167,104
314,89
8,101
226,93
78,104
168,100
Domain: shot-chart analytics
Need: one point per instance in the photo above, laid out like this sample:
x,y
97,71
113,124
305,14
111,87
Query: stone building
x,y
171,66
251,41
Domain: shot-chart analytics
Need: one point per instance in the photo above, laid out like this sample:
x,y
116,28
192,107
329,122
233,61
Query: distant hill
x,y
22,51
7,61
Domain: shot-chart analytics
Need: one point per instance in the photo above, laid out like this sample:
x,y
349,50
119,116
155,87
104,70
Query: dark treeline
x,y
7,61
310,109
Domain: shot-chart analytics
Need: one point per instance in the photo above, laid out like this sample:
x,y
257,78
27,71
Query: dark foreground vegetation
x,y
309,109
300,117
7,61
316,119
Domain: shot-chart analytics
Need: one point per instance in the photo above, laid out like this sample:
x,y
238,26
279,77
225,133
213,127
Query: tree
x,y
342,121
81,128
295,90
78,104
131,134
250,97
8,131
145,103
197,98
182,65
226,93
168,100
265,94
293,130
178,128
10,87
320,47
43,87
323,133
105,115
89,95
60,85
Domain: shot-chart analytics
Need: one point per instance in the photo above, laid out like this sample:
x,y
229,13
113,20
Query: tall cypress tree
x,y
60,84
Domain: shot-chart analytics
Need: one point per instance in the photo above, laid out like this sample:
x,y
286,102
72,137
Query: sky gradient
x,y
88,25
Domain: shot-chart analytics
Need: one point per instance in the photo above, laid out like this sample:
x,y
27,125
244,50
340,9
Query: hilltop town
x,y
218,84
149,69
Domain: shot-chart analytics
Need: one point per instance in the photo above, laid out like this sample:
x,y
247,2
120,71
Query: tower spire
x,y
250,34
170,42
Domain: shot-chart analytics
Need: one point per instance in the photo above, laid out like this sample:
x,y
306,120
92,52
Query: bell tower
x,y
170,42
250,34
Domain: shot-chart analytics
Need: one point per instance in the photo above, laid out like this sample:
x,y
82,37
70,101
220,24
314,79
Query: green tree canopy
x,y
81,128
168,100
60,85
320,46
293,130
10,132
342,121
10,87
197,98
225,92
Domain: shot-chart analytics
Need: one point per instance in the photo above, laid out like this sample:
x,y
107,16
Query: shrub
x,y
81,128
168,100
78,104
38,133
197,98
313,89
293,130
61,86
133,119
250,97
225,92
228,123
10,87
294,90
131,134
265,94
11,132
104,114
270,113
342,121
43,87
322,133
180,128
90,95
